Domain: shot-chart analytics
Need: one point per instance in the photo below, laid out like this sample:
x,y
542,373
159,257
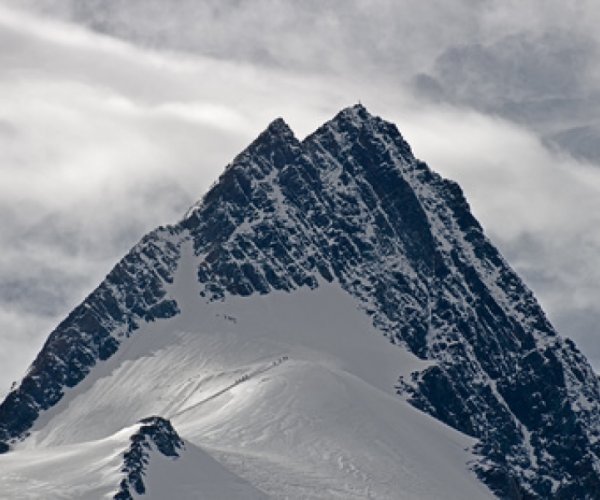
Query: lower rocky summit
x,y
154,435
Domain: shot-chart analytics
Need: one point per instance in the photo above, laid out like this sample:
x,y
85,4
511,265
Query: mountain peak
x,y
348,212
357,114
276,137
357,126
359,111
279,127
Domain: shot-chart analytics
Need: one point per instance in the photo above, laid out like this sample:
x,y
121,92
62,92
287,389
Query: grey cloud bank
x,y
116,116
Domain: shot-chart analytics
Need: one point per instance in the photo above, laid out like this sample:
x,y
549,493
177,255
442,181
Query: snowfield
x,y
285,395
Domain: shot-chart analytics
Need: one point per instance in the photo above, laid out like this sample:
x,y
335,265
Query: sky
x,y
117,115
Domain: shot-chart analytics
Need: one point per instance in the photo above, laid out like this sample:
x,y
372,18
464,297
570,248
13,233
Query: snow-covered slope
x,y
291,392
289,325
109,468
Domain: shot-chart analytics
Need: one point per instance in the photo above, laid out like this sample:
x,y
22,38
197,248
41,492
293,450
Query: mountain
x,y
329,321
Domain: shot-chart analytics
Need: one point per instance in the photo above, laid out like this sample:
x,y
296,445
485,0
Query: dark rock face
x,y
155,434
133,291
350,203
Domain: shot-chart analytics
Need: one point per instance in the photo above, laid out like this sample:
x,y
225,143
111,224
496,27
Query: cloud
x,y
332,36
116,116
534,62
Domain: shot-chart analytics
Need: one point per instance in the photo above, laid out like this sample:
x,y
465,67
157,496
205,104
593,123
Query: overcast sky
x,y
116,115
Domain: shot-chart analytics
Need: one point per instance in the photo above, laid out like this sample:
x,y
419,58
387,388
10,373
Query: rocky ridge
x,y
155,434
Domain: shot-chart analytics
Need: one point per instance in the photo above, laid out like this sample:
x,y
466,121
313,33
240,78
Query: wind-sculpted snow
x,y
351,205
